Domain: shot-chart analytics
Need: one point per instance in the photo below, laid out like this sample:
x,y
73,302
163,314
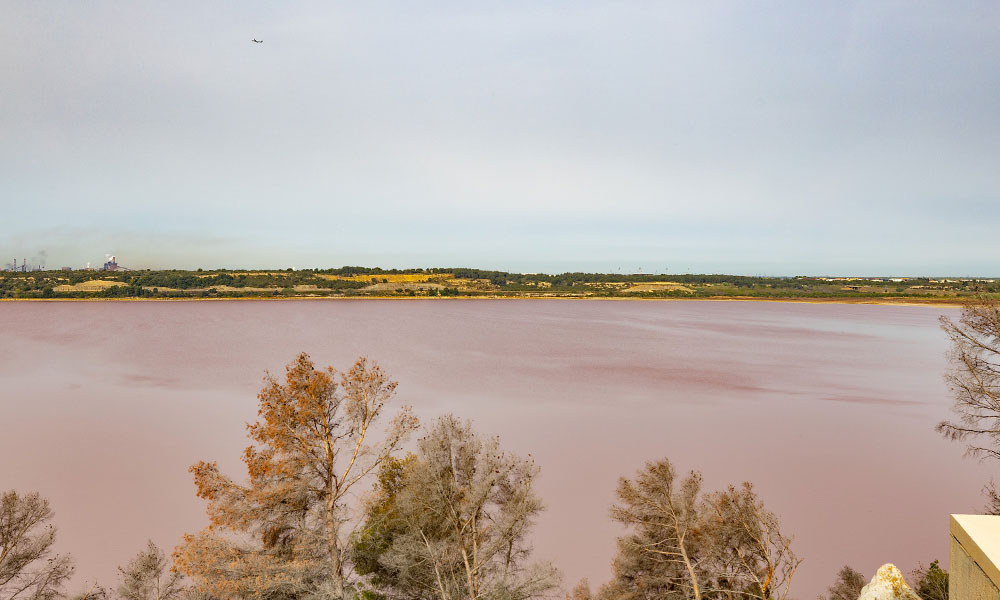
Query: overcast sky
x,y
759,138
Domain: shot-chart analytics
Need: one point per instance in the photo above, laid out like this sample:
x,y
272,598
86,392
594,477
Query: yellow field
x,y
94,285
658,286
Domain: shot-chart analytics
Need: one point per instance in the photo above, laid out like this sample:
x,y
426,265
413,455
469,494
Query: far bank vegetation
x,y
462,282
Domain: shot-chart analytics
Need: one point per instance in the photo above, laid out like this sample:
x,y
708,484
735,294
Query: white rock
x,y
888,584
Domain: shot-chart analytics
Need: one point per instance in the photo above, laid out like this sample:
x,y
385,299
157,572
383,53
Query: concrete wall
x,y
974,558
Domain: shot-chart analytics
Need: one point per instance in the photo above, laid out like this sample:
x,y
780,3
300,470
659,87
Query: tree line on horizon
x,y
223,283
451,520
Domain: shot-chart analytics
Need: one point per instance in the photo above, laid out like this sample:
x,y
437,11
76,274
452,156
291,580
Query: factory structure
x,y
22,266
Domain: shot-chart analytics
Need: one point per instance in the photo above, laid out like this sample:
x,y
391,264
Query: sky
x,y
759,138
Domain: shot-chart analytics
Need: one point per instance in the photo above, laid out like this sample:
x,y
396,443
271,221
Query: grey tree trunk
x,y
333,545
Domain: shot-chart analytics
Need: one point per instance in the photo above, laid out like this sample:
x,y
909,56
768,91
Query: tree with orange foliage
x,y
281,535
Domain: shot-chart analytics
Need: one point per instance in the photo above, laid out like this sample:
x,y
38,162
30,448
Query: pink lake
x,y
828,409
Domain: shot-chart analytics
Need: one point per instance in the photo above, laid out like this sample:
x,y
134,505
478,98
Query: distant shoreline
x,y
447,283
944,302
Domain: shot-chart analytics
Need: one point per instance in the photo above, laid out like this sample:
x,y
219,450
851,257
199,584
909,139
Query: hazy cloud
x,y
711,136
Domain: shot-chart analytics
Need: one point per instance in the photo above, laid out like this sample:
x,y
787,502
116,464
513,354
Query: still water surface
x,y
828,409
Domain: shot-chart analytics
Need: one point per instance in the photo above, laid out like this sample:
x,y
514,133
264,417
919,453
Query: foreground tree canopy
x,y
687,544
975,377
452,522
930,582
283,534
148,577
29,570
847,586
974,381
